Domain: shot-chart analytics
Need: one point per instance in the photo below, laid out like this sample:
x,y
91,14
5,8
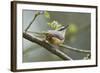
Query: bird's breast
x,y
55,41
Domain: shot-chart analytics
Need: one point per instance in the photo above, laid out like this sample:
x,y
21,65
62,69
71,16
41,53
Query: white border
x,y
34,65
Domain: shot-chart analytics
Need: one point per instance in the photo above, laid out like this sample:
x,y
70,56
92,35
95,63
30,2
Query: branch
x,y
75,49
47,46
37,14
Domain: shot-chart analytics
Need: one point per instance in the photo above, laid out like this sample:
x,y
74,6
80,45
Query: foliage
x,y
54,25
47,15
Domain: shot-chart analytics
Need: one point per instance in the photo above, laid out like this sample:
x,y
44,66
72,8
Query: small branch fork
x,y
36,15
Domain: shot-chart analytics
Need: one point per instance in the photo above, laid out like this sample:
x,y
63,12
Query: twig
x,y
47,46
75,49
32,20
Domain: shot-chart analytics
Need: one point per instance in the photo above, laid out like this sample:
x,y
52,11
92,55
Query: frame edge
x,y
13,36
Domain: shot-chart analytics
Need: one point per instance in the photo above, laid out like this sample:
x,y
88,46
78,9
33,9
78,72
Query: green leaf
x,y
54,25
47,15
58,26
49,24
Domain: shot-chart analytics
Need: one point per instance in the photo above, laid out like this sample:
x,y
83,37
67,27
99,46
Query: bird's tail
x,y
63,28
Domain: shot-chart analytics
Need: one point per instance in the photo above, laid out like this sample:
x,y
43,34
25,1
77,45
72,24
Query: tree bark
x,y
47,46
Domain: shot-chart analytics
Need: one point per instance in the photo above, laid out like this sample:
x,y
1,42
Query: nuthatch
x,y
56,37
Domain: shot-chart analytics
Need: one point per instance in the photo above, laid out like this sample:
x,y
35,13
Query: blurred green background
x,y
78,34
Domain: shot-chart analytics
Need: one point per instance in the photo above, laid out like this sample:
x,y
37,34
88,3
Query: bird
x,y
54,37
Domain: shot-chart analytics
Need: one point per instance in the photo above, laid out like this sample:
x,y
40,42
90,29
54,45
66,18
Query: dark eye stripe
x,y
63,28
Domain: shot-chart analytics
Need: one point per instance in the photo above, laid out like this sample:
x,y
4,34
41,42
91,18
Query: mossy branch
x,y
47,46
